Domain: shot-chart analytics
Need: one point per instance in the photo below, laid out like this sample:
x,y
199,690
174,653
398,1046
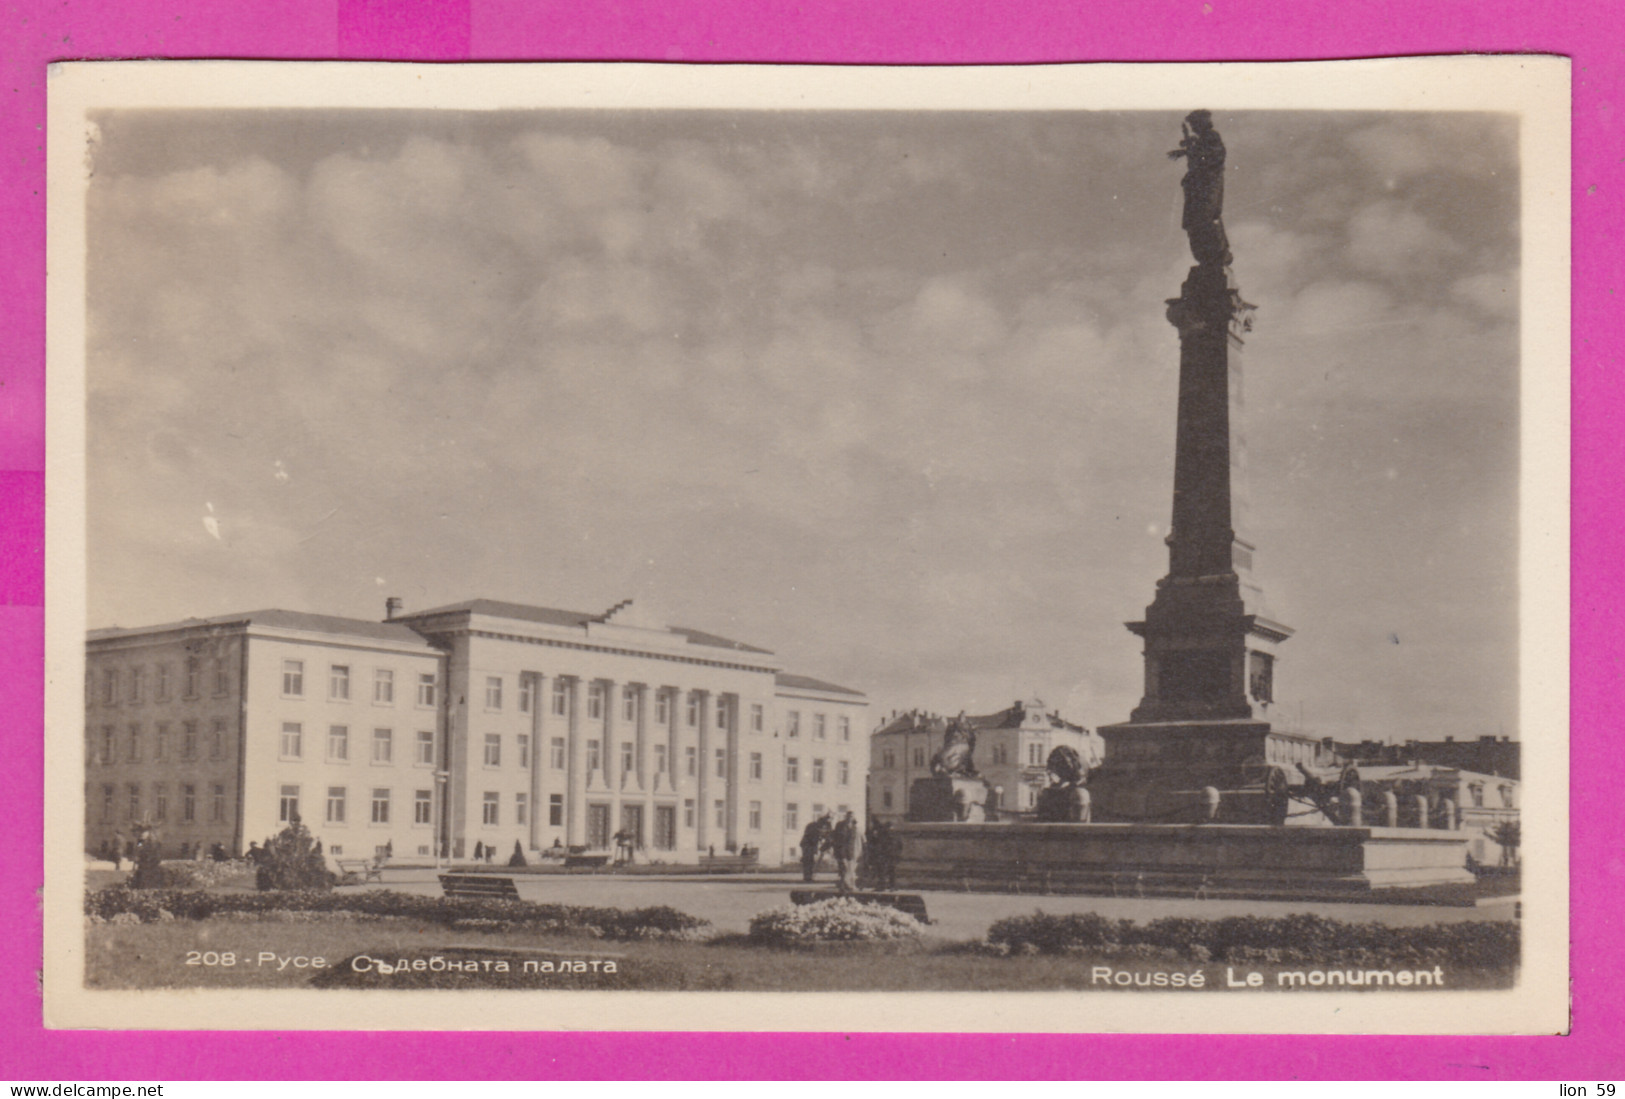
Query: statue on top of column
x,y
1203,151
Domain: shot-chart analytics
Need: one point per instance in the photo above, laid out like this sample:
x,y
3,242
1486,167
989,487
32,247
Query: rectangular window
x,y
338,743
844,727
160,683
818,808
843,773
493,692
134,753
188,740
383,686
792,816
688,812
191,677
722,762
693,714
288,805
493,749
422,807
555,809
556,753
756,717
818,772
792,769
888,759
720,813
426,692
383,745
660,759
138,684
335,805
222,679
521,809
1035,754
524,752
756,766
628,758
293,740
662,708
629,703
380,805
722,712
160,741
293,678
885,797
593,760
490,809
135,800
160,801
217,802
527,693
110,687
919,757
561,698
338,682
792,724
595,701
109,748
217,741
107,803
755,816
819,728
691,758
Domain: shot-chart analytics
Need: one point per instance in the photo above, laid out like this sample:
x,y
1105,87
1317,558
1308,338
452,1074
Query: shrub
x,y
1290,940
293,860
205,875
837,920
518,856
149,872
608,923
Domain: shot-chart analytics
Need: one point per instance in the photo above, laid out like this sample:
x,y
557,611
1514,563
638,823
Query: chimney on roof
x,y
392,607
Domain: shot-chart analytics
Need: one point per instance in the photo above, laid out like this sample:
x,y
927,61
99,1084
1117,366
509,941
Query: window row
x,y
381,748
379,808
188,742
631,702
998,753
820,726
339,687
159,807
163,684
792,771
558,760
792,814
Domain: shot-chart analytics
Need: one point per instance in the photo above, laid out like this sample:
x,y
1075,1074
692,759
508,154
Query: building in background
x,y
1012,748
475,723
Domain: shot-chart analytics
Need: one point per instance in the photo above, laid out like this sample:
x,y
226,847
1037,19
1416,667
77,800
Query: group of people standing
x,y
849,846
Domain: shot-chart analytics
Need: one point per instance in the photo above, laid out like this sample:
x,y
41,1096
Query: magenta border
x,y
823,31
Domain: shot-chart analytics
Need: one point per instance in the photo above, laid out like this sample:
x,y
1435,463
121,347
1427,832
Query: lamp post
x,y
442,837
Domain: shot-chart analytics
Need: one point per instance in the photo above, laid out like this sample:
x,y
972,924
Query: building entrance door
x,y
632,821
666,827
598,827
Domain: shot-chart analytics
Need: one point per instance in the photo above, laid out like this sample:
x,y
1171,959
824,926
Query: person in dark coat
x,y
844,845
812,838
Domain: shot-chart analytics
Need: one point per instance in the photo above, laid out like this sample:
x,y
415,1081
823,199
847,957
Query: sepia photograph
x,y
1091,538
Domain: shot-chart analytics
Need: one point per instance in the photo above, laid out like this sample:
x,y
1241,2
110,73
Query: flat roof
x,y
553,616
278,619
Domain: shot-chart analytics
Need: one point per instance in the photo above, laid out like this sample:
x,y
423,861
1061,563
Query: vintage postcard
x,y
649,547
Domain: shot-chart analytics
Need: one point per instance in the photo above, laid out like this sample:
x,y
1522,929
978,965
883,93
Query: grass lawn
x,y
156,955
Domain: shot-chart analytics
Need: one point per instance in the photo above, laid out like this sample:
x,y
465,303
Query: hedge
x,y
1298,939
151,905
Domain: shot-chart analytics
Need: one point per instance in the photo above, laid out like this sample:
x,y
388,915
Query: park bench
x,y
910,903
728,864
485,886
590,862
359,871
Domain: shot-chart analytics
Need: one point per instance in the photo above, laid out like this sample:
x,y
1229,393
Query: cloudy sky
x,y
889,393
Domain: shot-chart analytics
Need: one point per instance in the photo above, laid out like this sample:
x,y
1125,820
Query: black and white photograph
x,y
1088,540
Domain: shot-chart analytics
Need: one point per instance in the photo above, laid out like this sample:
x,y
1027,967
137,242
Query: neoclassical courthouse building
x,y
481,721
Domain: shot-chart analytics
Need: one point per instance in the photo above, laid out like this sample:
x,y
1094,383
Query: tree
x,y
293,860
149,869
1509,834
518,856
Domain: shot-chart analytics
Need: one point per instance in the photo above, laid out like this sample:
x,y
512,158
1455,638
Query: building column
x,y
640,750
728,706
674,739
575,830
702,794
611,755
538,701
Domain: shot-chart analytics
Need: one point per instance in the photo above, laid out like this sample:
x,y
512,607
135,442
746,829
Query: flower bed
x,y
836,920
1290,940
118,904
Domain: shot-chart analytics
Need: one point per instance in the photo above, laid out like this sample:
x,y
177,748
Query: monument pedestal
x,y
948,798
